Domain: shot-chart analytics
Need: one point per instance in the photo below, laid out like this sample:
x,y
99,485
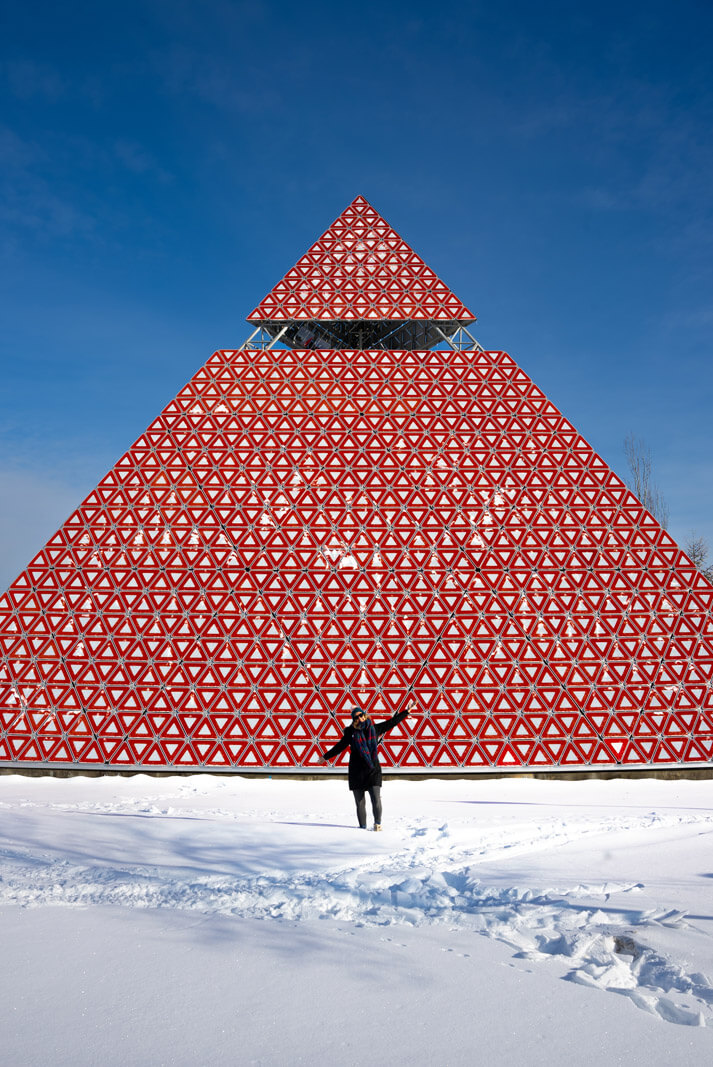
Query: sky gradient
x,y
162,164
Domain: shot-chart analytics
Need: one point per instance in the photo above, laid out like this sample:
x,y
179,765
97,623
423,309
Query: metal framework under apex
x,y
362,335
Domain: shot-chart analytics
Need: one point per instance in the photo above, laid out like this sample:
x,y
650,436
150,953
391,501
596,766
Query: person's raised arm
x,y
335,749
388,724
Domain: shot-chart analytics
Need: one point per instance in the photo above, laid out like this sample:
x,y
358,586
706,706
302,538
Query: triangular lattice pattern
x,y
301,529
360,269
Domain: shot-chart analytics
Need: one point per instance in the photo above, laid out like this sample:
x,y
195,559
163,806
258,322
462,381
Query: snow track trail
x,y
472,870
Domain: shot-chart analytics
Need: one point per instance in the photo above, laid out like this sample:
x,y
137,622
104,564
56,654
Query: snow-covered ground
x,y
205,919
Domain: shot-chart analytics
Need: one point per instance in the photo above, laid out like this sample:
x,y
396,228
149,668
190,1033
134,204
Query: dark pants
x,y
375,797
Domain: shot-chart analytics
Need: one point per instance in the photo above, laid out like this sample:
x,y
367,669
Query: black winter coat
x,y
361,775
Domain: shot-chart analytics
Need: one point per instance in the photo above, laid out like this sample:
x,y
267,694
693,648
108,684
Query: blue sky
x,y
163,163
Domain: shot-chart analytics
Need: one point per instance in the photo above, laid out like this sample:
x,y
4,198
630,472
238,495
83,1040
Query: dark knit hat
x,y
355,712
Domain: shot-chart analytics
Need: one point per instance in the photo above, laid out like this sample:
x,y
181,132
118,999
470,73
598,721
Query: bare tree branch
x,y
696,548
638,457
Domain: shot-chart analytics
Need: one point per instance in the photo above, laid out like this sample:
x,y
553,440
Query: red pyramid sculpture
x,y
304,529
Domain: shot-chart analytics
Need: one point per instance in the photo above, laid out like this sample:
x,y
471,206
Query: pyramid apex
x,y
360,285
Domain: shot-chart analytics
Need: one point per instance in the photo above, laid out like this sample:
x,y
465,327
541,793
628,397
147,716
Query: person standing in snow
x,y
362,738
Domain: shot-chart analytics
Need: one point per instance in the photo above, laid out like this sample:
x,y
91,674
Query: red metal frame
x,y
302,530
